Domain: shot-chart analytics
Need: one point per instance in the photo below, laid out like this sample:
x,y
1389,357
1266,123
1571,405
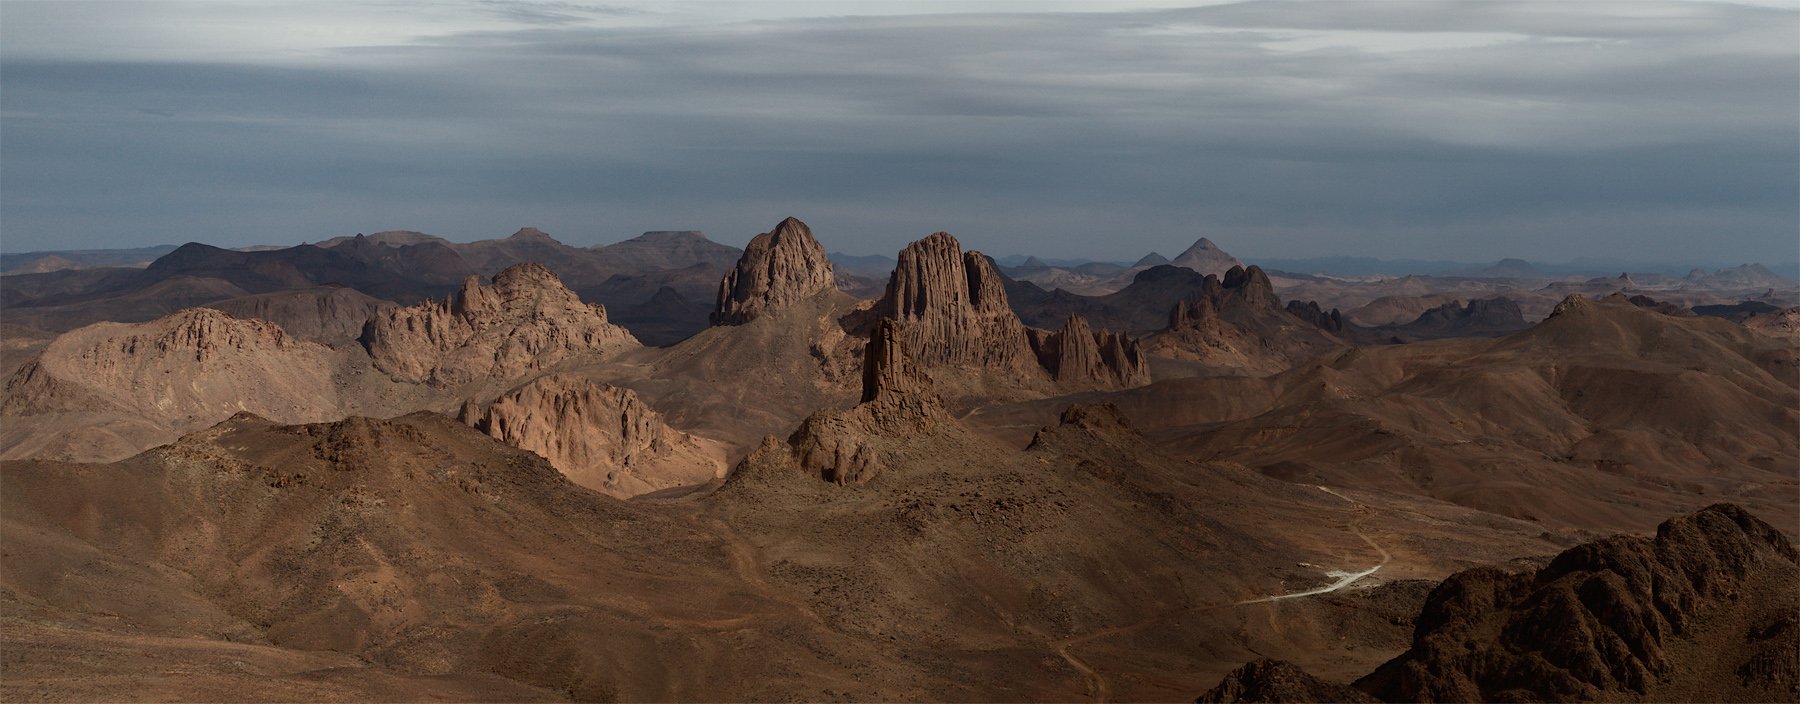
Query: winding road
x,y
1101,690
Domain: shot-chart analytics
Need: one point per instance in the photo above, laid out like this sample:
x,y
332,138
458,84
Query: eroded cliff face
x,y
1078,356
525,321
601,437
779,268
953,310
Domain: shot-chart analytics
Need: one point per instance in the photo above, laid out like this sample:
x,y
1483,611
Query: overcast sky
x,y
1448,130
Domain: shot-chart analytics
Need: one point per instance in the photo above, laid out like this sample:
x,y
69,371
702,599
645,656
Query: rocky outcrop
x,y
953,310
847,447
778,268
1236,321
601,437
526,320
1205,257
1077,355
1330,321
1599,622
1268,680
178,373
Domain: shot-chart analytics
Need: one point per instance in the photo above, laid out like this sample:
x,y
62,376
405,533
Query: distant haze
x,y
1465,131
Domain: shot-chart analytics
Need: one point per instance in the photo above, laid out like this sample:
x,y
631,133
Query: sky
x,y
1462,130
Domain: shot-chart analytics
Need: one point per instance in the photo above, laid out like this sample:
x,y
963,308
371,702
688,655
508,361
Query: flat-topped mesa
x,y
601,437
847,447
953,309
526,320
1078,355
778,268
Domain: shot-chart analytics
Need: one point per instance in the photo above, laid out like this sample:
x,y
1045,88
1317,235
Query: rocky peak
x,y
1205,257
530,234
1574,303
601,437
953,309
1150,260
778,268
525,320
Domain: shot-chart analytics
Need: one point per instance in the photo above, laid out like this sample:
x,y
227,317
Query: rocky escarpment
x,y
778,268
846,447
601,437
1078,355
108,390
526,320
1705,610
1268,680
953,311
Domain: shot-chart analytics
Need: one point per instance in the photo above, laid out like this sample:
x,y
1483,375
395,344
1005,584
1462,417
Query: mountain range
x,y
394,467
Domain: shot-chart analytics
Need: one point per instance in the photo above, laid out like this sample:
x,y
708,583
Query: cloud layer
x,y
1463,130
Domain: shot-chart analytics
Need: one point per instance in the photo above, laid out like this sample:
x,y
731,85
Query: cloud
x,y
1454,130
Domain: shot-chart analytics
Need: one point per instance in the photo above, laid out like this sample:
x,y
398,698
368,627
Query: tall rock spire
x,y
953,310
779,268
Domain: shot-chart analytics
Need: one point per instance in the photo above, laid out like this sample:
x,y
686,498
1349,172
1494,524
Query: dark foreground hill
x,y
1704,611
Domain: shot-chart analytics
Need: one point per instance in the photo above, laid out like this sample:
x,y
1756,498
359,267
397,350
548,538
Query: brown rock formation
x,y
844,447
1078,355
953,309
1268,680
145,382
526,320
778,268
1330,321
1238,322
130,365
1600,622
601,437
